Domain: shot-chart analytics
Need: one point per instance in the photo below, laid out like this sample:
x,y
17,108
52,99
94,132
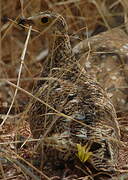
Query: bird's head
x,y
46,20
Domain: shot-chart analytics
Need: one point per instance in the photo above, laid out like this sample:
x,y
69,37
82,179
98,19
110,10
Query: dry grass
x,y
85,18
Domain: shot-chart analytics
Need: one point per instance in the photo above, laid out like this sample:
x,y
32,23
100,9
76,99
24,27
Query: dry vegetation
x,y
85,18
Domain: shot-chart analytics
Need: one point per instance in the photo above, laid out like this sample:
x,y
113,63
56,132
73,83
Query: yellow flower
x,y
83,152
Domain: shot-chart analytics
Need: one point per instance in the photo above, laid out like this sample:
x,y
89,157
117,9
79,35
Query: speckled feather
x,y
90,116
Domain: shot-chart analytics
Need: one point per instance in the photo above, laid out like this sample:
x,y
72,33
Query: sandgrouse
x,y
75,110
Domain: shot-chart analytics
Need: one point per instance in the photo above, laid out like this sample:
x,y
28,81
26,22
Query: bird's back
x,y
78,112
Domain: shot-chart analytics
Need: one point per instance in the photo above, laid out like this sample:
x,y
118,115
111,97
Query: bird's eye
x,y
44,19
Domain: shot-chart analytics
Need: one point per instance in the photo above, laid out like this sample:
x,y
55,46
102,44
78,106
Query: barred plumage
x,y
75,108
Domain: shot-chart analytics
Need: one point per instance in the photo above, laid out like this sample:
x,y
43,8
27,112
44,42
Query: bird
x,y
71,111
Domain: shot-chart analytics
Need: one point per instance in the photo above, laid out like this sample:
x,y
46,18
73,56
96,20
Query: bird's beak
x,y
25,21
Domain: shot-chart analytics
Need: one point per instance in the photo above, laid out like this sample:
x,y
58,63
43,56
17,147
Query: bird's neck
x,y
60,50
60,54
